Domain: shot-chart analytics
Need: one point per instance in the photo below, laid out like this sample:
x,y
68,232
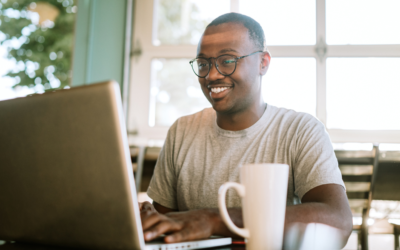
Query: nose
x,y
214,73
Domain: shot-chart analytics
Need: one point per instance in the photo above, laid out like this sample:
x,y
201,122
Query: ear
x,y
265,60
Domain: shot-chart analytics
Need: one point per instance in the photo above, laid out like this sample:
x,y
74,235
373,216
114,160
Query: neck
x,y
242,119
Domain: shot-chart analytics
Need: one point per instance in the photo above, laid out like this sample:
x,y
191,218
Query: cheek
x,y
246,82
203,86
202,83
247,75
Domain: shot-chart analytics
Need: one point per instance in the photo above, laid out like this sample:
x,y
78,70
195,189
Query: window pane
x,y
362,21
291,83
36,40
183,21
352,243
363,93
285,22
381,241
175,91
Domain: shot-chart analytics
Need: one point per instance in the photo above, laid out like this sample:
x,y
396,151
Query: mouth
x,y
218,89
219,92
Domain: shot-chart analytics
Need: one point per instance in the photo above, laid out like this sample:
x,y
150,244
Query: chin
x,y
219,108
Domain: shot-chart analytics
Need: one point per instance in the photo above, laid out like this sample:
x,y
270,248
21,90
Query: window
x,y
164,87
343,58
35,46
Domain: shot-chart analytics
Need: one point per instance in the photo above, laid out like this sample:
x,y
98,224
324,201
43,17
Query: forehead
x,y
226,36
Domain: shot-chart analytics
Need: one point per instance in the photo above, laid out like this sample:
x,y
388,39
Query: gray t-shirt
x,y
198,157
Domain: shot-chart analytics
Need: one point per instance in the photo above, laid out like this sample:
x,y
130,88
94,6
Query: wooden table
x,y
20,246
311,236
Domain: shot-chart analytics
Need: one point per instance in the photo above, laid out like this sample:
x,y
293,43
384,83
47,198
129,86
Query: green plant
x,y
42,49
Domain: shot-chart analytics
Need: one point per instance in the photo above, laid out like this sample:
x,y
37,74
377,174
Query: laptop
x,y
66,174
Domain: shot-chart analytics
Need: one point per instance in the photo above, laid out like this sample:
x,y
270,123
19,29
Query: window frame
x,y
144,51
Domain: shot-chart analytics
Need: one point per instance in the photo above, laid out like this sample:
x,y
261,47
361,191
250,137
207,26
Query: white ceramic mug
x,y
263,190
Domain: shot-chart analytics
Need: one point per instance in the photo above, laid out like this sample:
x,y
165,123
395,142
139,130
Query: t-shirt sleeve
x,y
162,188
315,163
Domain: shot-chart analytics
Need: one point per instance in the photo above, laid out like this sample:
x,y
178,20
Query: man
x,y
204,150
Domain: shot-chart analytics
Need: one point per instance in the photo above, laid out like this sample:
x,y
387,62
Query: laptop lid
x,y
65,170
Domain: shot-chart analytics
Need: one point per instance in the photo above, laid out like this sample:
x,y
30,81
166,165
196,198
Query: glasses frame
x,y
237,58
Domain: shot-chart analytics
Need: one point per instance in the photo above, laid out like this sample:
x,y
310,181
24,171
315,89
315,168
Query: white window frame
x,y
138,118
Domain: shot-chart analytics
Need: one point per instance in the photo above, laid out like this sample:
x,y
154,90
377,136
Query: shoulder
x,y
306,132
299,121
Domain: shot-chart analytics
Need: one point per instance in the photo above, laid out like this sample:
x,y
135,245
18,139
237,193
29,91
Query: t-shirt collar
x,y
262,122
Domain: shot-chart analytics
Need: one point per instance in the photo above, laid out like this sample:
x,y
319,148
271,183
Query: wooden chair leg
x,y
359,240
139,170
364,231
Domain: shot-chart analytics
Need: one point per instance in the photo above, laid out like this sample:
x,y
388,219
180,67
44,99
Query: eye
x,y
228,61
202,65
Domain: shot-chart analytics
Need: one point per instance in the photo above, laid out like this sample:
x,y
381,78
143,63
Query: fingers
x,y
150,218
186,234
184,226
146,206
162,227
155,224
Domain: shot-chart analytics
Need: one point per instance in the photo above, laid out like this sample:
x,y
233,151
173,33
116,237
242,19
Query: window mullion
x,y
174,51
291,51
321,20
321,91
139,91
321,63
374,50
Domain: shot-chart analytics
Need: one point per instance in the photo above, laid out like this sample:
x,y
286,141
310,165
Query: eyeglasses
x,y
225,64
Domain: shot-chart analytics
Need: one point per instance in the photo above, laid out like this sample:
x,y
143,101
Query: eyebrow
x,y
227,50
220,52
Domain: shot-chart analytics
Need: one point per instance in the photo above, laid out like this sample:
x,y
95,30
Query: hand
x,y
144,206
183,226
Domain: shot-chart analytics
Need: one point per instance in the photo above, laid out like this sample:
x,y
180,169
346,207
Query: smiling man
x,y
204,150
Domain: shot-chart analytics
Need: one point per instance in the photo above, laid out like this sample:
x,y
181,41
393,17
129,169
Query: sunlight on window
x,y
291,83
6,83
394,221
380,241
353,146
352,242
35,46
183,22
389,147
285,22
175,91
363,93
362,21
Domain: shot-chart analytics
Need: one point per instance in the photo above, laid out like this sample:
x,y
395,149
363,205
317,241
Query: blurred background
x,y
338,60
36,45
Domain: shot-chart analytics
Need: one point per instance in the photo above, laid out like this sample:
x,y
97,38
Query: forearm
x,y
312,212
316,212
219,227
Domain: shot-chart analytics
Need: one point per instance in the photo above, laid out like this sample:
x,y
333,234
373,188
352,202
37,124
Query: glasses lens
x,y
226,64
200,67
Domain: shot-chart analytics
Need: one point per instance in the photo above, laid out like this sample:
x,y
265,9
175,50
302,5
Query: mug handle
x,y
244,232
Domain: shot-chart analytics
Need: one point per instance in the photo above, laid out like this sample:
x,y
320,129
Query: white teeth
x,y
217,90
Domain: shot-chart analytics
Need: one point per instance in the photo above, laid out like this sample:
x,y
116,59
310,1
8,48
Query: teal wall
x,y
99,42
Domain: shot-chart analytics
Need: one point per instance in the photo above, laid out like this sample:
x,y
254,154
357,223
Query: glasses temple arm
x,y
250,54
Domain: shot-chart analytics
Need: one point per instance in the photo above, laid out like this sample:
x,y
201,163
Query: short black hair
x,y
256,32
